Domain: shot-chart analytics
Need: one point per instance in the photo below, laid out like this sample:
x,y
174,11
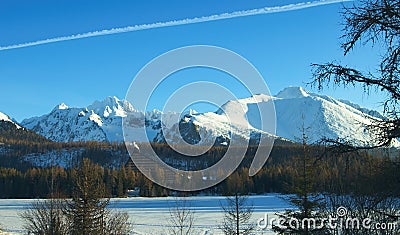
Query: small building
x,y
134,192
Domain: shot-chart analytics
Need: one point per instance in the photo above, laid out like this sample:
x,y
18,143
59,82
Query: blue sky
x,y
280,45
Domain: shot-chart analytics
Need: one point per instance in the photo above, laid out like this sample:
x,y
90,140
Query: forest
x,y
364,172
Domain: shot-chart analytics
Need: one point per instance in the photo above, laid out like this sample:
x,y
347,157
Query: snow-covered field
x,y
151,215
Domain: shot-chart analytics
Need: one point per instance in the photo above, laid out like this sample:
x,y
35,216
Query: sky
x,y
280,45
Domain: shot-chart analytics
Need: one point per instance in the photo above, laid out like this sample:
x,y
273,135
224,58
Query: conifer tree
x,y
307,216
87,211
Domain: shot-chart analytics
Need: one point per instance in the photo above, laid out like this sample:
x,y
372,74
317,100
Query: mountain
x,y
321,116
4,118
296,108
210,126
11,132
101,121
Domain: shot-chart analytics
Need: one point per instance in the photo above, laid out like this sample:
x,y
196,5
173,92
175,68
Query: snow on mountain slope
x,y
101,121
219,127
12,132
370,112
6,118
321,116
293,93
65,124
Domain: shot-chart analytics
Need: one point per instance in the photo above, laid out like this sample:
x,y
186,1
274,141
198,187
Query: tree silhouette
x,y
306,217
45,217
370,22
87,211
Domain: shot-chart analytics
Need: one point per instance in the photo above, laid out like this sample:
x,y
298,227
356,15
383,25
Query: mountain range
x,y
297,111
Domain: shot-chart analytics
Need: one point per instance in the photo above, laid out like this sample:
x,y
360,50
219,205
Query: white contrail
x,y
259,11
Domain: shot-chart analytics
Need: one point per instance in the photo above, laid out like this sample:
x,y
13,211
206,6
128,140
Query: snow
x,y
292,93
169,119
151,215
63,125
4,117
95,118
107,111
68,157
62,106
109,106
64,158
372,113
136,147
320,115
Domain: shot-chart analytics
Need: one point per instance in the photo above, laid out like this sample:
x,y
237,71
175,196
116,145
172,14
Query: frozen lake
x,y
151,215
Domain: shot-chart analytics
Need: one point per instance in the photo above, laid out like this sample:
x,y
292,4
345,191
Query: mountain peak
x,y
4,117
111,105
61,106
292,93
110,101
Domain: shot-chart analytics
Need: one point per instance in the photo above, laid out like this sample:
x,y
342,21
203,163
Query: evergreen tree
x,y
307,217
86,211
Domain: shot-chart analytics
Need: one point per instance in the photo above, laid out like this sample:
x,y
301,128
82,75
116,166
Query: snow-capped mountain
x,y
11,131
101,121
296,108
322,116
6,118
217,126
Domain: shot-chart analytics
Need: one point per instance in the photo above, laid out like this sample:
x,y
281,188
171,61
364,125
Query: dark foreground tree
x,y
116,223
45,217
181,217
376,212
307,216
374,23
370,23
87,211
237,214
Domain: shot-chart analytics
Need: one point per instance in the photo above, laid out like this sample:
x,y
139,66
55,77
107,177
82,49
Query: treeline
x,y
9,134
41,182
332,173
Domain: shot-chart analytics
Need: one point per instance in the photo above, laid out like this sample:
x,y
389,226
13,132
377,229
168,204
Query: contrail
x,y
259,11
